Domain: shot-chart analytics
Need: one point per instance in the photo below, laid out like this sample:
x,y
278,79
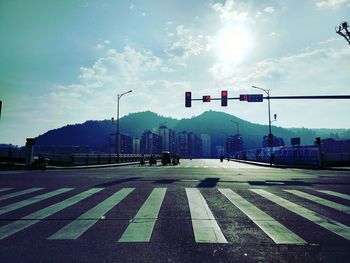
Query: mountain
x,y
217,124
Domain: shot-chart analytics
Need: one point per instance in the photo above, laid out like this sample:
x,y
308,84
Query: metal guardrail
x,y
88,158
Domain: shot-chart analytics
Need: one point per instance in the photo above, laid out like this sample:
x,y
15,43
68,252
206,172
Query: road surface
x,y
199,211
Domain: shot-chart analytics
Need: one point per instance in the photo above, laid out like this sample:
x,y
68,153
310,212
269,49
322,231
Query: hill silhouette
x,y
217,124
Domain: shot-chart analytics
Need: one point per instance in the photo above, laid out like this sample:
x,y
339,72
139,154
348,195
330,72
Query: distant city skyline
x,y
64,62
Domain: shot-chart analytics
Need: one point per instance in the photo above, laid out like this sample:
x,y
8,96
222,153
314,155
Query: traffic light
x,y
188,99
206,98
224,98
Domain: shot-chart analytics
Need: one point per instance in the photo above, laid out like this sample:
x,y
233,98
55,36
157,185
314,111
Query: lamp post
x,y
237,123
119,96
268,99
343,31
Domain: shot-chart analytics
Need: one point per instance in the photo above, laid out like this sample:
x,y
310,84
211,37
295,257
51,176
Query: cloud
x,y
332,3
228,12
187,44
316,71
269,9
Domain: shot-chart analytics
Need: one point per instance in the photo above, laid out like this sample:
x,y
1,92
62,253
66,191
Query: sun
x,y
233,43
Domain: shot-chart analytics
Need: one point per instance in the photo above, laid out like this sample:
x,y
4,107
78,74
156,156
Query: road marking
x,y
316,199
325,222
79,226
141,227
275,230
5,189
205,227
341,195
27,191
35,217
32,200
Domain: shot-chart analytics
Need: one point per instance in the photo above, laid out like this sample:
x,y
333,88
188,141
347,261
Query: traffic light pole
x,y
290,97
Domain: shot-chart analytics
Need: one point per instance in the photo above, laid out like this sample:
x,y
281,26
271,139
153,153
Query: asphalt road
x,y
199,211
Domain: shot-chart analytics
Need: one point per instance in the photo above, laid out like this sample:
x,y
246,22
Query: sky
x,y
64,62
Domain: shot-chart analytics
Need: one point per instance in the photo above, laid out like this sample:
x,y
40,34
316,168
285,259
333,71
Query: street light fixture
x,y
343,31
119,96
237,123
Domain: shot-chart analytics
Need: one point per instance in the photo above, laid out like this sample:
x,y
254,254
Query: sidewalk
x,y
284,166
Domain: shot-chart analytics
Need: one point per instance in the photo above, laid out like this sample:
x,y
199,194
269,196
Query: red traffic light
x,y
224,98
188,99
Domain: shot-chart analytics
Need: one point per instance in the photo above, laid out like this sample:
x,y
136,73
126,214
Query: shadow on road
x,y
267,183
165,181
208,182
117,182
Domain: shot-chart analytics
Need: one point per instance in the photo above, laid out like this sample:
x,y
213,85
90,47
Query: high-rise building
x,y
124,143
136,145
150,143
182,144
206,145
168,139
194,145
234,144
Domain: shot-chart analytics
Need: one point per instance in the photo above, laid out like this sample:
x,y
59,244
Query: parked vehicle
x,y
166,158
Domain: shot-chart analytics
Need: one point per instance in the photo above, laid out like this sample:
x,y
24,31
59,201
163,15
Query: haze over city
x,y
65,62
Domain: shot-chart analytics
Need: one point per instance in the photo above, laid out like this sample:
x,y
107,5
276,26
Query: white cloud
x,y
314,71
269,9
187,44
99,46
228,12
131,7
332,3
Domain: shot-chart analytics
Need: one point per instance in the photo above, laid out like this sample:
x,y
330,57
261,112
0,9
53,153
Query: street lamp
x,y
237,123
119,96
268,99
343,31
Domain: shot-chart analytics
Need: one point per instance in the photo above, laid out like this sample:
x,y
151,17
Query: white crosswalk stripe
x,y
276,231
35,199
141,227
204,224
340,195
89,218
325,222
5,189
205,227
322,201
33,218
23,192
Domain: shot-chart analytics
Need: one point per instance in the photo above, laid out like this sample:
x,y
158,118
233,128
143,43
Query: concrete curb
x,y
90,166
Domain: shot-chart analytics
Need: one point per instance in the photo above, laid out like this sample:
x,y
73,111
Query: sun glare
x,y
233,44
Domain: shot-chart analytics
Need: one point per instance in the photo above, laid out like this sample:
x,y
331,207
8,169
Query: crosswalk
x,y
206,226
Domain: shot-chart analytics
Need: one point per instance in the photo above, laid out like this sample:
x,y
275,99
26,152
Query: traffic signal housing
x,y
251,97
188,99
224,98
206,98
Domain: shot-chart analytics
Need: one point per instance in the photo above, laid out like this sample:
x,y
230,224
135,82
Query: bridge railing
x,y
285,155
